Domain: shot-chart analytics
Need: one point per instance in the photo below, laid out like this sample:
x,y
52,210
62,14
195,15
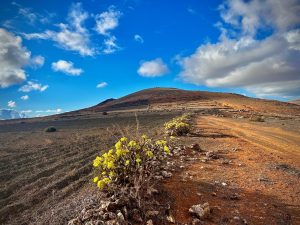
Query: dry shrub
x,y
128,168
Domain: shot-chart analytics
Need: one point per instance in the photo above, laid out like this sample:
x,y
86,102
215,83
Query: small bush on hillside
x,y
128,168
50,129
104,113
257,119
179,126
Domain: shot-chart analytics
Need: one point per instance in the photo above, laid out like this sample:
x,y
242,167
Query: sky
x,y
58,56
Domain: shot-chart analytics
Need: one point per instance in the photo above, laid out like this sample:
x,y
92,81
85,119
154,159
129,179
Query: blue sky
x,y
58,56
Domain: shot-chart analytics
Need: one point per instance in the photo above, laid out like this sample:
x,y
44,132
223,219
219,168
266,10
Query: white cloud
x,y
25,97
66,67
11,104
107,21
26,111
72,36
153,68
38,61
49,111
109,45
28,14
13,57
31,86
31,17
102,85
266,67
138,38
256,14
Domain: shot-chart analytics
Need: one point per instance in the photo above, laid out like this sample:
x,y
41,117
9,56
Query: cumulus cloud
x,y
138,38
31,86
266,67
256,14
13,57
11,104
66,67
107,21
102,85
25,97
153,68
72,36
37,61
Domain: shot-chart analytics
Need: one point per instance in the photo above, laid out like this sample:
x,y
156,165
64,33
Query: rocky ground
x,y
226,171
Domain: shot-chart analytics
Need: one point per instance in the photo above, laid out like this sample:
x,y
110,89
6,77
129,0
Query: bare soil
x,y
45,177
256,180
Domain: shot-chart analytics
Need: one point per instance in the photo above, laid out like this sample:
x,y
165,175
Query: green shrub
x,y
50,129
179,126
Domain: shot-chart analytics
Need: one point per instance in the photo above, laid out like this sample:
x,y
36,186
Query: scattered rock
x,y
120,217
212,155
149,222
75,221
234,196
202,211
151,213
166,174
196,222
214,194
226,161
159,177
170,219
263,179
196,147
136,216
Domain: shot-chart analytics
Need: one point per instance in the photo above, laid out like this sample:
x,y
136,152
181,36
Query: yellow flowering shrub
x,y
130,164
179,126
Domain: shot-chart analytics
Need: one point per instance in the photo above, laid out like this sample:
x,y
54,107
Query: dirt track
x,y
255,180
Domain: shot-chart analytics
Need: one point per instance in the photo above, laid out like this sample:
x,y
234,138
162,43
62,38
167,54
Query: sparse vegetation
x,y
179,126
50,129
257,119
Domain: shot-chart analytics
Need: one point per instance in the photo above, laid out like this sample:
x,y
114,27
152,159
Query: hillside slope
x,y
296,101
172,99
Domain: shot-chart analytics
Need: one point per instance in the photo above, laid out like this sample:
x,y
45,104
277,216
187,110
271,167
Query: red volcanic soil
x,y
255,180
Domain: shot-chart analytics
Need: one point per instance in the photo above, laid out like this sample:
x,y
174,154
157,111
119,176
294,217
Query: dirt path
x,y
256,179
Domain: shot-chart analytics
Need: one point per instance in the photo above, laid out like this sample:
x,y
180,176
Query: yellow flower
x,y
103,173
123,139
118,145
138,161
149,154
144,136
110,152
127,162
167,150
97,161
110,165
95,180
112,174
100,184
132,144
